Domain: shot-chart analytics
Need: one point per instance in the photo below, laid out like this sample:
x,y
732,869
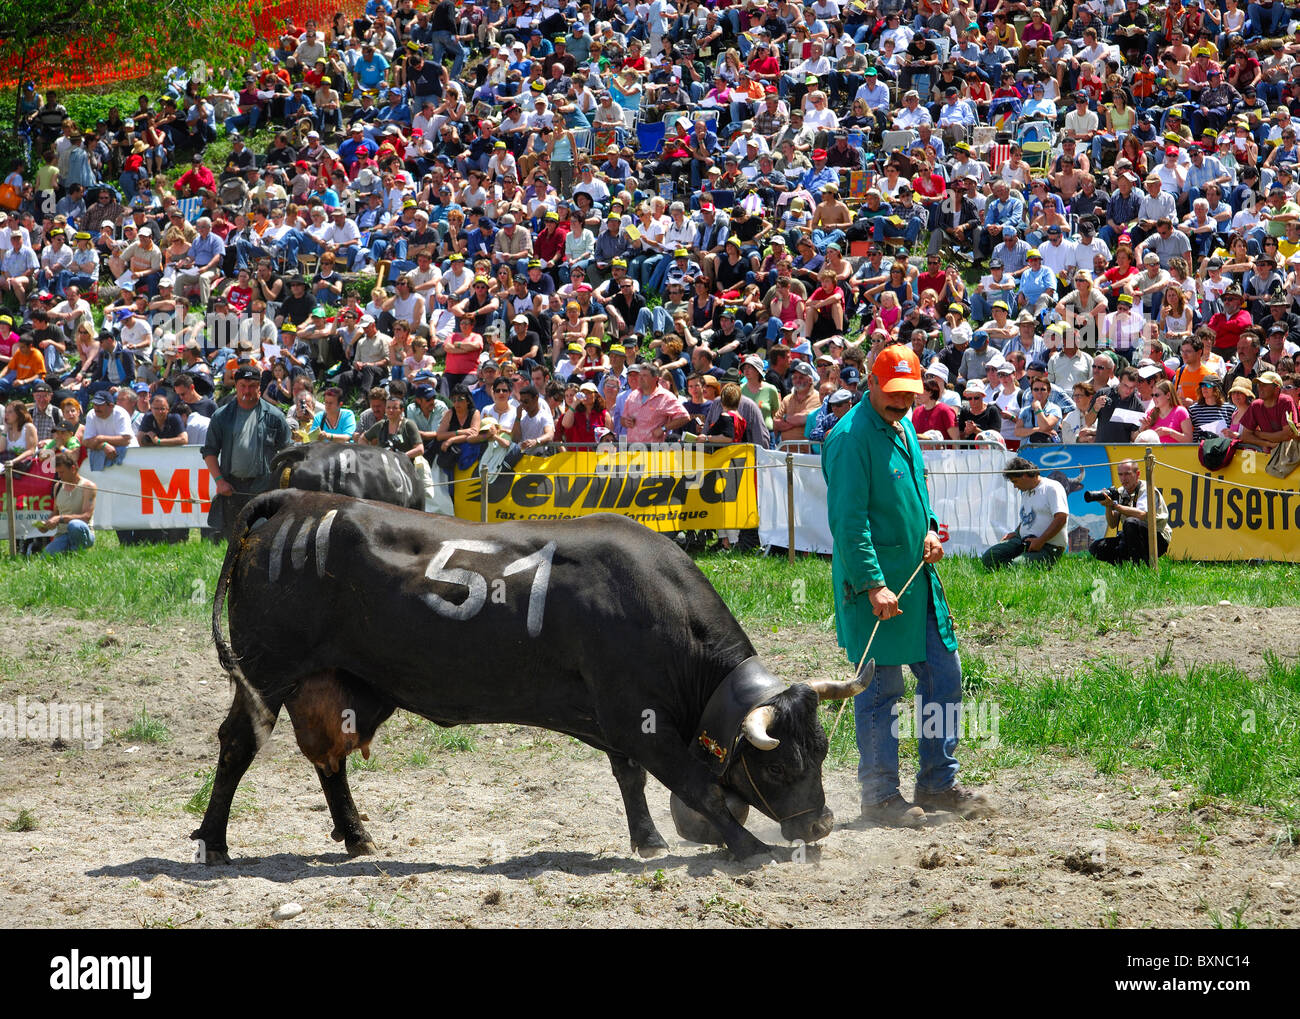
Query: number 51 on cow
x,y
477,585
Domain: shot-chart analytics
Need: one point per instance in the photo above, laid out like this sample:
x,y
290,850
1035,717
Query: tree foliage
x,y
38,37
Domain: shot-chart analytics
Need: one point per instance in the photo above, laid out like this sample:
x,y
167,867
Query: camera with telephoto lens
x,y
1101,495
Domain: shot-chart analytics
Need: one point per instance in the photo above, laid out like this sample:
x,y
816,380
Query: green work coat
x,y
879,512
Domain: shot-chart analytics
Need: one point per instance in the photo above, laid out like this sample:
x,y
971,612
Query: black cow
x,y
363,472
342,610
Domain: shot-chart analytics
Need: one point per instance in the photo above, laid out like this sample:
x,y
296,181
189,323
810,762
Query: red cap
x,y
898,369
770,90
1171,150
706,206
819,153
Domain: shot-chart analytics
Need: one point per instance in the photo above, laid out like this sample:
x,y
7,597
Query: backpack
x,y
1217,452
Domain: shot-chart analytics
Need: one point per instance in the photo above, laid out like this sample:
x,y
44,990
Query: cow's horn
x,y
840,689
754,727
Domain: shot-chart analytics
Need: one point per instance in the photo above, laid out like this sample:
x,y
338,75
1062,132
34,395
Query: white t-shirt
x,y
117,423
506,418
535,427
1037,508
196,428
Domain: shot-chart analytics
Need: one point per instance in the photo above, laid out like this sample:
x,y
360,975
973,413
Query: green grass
x,y
775,593
25,821
198,803
1208,726
108,582
457,740
144,729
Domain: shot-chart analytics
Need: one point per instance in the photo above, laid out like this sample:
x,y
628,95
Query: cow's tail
x,y
260,508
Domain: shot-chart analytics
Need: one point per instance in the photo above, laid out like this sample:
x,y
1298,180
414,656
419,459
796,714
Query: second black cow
x,y
363,472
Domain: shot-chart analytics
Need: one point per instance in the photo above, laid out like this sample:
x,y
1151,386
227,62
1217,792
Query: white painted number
x,y
541,580
472,582
476,585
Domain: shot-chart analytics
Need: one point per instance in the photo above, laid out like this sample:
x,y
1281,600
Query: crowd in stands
x,y
1083,219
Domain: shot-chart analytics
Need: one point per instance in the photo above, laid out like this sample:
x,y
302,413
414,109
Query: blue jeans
x,y
938,682
1268,23
246,122
78,535
909,233
446,42
821,238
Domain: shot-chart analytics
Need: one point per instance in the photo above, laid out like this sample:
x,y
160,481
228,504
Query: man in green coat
x,y
883,527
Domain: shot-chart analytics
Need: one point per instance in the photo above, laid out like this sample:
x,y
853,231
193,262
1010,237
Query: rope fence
x,y
789,464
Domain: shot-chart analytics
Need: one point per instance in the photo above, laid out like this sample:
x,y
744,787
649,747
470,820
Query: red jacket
x,y
198,179
1227,331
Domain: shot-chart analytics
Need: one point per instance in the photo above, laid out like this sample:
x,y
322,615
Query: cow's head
x,y
777,765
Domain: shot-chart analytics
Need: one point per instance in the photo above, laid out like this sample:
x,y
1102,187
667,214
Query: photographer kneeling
x,y
1126,509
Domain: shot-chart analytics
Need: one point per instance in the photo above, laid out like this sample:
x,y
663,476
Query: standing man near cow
x,y
883,528
242,439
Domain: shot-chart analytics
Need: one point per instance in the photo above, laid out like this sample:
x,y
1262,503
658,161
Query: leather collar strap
x,y
745,688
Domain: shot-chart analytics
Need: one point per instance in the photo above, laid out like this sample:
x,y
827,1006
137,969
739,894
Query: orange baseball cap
x,y
898,369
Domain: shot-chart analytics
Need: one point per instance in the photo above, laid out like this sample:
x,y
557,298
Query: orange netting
x,y
103,63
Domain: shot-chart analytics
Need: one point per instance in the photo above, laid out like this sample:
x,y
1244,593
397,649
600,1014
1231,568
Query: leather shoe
x,y
956,800
894,812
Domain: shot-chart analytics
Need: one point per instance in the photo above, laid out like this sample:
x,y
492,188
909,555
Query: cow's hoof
x,y
366,848
215,858
652,851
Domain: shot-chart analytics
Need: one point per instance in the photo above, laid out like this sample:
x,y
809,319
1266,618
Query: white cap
x,y
937,369
144,231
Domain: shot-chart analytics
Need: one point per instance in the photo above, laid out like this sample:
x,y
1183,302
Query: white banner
x,y
812,530
974,509
168,486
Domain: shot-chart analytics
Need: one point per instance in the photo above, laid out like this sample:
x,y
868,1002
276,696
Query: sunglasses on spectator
x,y
500,389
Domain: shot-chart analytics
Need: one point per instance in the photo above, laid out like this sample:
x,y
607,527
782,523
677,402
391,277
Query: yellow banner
x,y
1215,521
666,488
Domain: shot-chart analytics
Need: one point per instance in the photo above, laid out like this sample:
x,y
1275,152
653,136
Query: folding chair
x,y
191,208
897,141
649,139
1038,156
982,137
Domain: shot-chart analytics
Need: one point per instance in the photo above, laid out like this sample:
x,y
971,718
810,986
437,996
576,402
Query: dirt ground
x,y
508,826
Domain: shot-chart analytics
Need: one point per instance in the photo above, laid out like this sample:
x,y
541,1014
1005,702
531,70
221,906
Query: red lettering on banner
x,y
205,490
177,491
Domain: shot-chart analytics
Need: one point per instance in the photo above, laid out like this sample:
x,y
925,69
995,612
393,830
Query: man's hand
x,y
1034,544
884,603
224,487
933,548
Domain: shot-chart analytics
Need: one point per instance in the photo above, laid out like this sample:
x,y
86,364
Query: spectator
x,y
1129,514
109,433
1040,536
1272,417
74,505
243,437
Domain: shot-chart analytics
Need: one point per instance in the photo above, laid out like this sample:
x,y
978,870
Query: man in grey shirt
x,y
242,440
1166,243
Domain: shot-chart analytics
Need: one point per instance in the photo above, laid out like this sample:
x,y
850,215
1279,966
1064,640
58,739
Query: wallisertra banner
x,y
1213,517
670,488
1241,512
